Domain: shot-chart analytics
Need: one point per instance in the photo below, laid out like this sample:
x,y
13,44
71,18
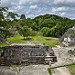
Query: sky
x,y
33,8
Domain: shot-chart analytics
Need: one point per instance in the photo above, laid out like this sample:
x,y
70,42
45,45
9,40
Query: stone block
x,y
26,54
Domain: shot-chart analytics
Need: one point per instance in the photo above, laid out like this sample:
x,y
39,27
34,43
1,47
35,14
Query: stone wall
x,y
26,55
69,41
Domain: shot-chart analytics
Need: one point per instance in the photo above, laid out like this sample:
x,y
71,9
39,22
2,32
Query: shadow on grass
x,y
48,39
27,39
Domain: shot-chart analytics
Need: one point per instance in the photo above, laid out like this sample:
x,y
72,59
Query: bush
x,y
34,33
45,31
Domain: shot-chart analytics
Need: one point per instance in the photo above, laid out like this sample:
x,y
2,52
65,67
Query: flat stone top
x,y
26,46
23,44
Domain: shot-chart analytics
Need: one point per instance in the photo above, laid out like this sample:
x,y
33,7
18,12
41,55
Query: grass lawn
x,y
3,45
38,39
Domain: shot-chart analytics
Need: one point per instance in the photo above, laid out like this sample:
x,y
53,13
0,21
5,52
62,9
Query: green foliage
x,y
49,70
5,22
45,31
66,35
56,25
34,33
50,25
3,45
28,22
12,15
25,31
73,33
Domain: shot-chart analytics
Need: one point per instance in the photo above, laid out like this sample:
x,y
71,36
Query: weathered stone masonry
x,y
26,55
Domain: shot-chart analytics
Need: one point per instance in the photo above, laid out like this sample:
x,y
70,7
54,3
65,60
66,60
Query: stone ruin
x,y
28,54
68,39
22,16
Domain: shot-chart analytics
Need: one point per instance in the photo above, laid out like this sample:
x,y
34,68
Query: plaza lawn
x,y
3,45
49,41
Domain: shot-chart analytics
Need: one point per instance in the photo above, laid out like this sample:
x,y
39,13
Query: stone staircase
x,y
51,58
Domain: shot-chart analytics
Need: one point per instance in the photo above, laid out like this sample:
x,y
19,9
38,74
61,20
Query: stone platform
x,y
28,54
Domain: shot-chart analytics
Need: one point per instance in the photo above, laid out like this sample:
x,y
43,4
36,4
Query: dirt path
x,y
63,58
60,71
35,70
25,70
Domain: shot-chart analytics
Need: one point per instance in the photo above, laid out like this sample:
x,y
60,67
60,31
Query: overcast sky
x,y
33,8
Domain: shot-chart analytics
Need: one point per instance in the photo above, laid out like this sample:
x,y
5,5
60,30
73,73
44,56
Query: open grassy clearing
x,y
38,39
49,41
3,45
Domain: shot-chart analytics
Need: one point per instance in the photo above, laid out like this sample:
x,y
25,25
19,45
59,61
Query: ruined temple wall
x,y
26,54
21,54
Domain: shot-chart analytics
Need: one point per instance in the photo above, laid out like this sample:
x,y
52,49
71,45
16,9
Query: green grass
x,y
38,39
49,70
48,41
3,45
16,39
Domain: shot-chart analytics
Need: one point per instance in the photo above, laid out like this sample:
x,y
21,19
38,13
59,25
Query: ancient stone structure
x,y
68,39
70,30
72,52
28,54
22,16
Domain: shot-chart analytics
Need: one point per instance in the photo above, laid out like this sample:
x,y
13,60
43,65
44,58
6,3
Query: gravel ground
x,y
25,70
63,57
35,70
60,71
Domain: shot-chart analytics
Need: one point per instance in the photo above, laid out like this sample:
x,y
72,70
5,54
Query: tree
x,y
55,25
45,31
6,22
24,31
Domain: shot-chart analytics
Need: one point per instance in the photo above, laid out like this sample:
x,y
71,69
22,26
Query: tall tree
x,y
24,31
6,22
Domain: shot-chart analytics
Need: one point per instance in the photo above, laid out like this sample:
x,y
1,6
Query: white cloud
x,y
60,9
62,14
64,2
33,7
58,1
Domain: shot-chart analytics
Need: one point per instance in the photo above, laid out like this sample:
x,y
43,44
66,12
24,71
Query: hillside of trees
x,y
49,25
6,23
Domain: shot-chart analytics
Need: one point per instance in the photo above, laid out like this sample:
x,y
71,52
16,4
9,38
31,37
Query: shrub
x,y
34,33
45,31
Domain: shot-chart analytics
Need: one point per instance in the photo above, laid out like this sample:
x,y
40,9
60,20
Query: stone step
x,y
24,60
